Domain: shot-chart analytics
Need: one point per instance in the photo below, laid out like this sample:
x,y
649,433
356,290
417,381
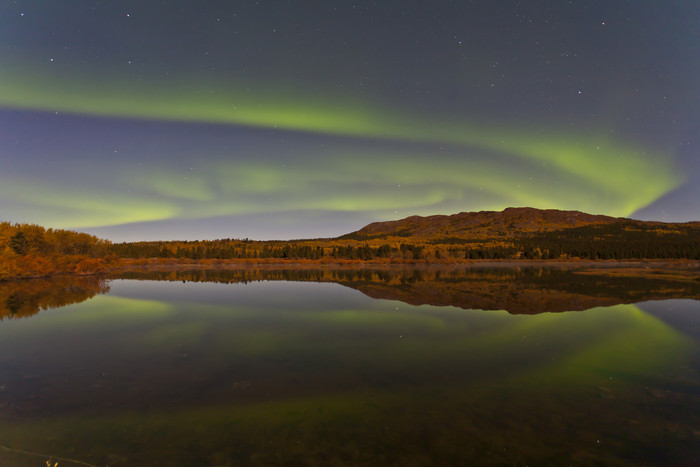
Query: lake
x,y
431,366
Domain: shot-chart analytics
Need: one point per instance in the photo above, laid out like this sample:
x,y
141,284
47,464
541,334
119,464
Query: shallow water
x,y
245,371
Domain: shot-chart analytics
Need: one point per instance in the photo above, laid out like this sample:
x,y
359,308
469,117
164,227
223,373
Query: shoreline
x,y
128,263
686,267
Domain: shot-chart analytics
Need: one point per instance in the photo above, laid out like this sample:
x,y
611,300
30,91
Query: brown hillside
x,y
507,223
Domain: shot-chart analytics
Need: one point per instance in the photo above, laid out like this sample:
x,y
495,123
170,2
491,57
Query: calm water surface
x,y
181,371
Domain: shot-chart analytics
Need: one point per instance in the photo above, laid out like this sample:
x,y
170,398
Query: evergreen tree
x,y
18,243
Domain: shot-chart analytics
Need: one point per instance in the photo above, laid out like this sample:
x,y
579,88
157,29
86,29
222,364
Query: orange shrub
x,y
34,266
90,266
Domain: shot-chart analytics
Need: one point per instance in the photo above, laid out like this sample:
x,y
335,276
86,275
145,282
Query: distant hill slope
x,y
511,222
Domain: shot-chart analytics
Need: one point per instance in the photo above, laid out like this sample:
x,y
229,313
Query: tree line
x,y
237,249
620,240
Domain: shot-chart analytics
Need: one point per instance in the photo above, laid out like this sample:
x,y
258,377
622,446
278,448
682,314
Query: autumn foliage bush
x,y
90,266
28,266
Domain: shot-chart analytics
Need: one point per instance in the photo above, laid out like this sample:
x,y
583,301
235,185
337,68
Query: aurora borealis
x,y
179,120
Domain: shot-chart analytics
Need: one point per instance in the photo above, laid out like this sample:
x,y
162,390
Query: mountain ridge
x,y
508,223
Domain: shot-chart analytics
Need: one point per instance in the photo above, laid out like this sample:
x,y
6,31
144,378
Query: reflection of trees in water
x,y
228,276
516,289
20,299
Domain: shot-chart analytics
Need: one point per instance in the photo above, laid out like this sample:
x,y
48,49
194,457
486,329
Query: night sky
x,y
291,119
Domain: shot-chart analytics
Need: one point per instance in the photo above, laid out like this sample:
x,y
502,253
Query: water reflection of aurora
x,y
266,372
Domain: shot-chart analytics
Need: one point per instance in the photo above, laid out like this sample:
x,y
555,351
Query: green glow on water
x,y
239,381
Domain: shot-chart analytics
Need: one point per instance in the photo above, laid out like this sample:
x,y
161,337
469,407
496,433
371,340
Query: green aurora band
x,y
489,168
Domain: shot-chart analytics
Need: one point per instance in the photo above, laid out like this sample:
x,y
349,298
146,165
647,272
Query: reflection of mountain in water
x,y
20,299
520,290
528,290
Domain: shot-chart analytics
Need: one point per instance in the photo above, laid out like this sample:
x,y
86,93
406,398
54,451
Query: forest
x,y
32,251
621,240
